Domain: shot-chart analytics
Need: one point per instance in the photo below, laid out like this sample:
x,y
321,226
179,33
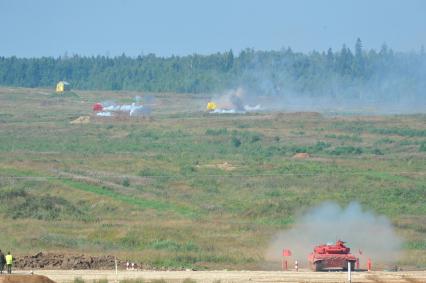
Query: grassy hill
x,y
185,188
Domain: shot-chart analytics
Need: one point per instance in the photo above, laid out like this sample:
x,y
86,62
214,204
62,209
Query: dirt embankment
x,y
59,261
25,278
63,261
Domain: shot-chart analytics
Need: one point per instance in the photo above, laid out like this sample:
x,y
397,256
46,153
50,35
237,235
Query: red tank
x,y
331,257
97,107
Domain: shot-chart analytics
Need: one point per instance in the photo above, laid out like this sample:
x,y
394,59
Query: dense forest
x,y
349,72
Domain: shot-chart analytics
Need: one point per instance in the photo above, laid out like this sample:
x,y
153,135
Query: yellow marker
x,y
211,106
62,86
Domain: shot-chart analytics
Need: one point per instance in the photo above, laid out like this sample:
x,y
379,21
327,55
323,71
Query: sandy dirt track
x,y
235,276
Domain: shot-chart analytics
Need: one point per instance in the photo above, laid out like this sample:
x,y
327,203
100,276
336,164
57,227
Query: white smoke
x,y
136,109
234,101
363,231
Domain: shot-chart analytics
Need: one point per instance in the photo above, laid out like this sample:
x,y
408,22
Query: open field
x,y
185,189
63,276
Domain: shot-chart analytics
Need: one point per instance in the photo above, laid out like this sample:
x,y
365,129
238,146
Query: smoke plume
x,y
234,101
363,231
392,83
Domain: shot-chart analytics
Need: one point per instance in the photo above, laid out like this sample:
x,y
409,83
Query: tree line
x,y
347,72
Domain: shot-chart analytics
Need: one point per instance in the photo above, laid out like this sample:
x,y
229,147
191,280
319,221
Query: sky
x,y
30,28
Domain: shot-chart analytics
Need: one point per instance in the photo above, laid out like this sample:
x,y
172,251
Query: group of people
x,y
131,266
6,260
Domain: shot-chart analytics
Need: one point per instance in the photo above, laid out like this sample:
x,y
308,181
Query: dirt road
x,y
236,276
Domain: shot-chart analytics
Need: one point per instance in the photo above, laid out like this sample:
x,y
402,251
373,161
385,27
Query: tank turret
x,y
331,257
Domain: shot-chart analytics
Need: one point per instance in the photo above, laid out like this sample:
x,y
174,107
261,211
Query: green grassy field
x,y
188,189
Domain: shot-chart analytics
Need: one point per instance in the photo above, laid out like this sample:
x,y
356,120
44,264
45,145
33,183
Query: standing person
x,y
9,261
369,264
2,262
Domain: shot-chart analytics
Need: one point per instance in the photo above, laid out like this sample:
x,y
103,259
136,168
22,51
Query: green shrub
x,y
347,150
126,182
7,193
385,141
318,147
22,204
188,169
217,132
236,142
405,132
255,138
377,151
171,245
299,149
243,126
131,240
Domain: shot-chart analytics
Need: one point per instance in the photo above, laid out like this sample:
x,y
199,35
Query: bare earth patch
x,y
223,166
301,155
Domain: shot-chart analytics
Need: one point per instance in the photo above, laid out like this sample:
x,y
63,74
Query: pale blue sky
x,y
165,27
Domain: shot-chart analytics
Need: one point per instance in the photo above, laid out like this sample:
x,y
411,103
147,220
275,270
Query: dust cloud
x,y
363,231
234,101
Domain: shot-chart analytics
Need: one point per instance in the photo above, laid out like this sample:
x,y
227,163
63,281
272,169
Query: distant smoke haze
x,y
389,84
241,100
363,231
